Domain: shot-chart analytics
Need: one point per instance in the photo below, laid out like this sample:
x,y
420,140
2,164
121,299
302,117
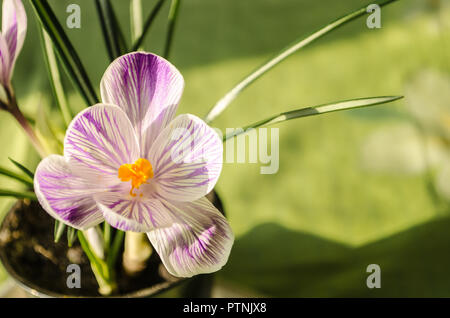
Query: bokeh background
x,y
368,186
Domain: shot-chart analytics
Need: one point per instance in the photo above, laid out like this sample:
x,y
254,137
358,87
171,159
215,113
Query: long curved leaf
x,y
148,23
112,32
54,76
223,103
17,194
317,110
22,168
173,15
59,230
136,23
21,178
66,51
71,235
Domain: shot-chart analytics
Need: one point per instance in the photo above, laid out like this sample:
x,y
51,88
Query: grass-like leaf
x,y
317,110
148,23
17,194
173,15
22,168
65,50
115,248
54,76
21,178
71,235
298,44
59,230
112,32
136,23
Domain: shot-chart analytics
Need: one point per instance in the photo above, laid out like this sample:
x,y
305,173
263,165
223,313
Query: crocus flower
x,y
14,28
131,162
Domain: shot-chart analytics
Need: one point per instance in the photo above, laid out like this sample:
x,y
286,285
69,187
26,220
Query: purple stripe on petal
x,y
100,140
14,28
197,240
4,62
65,195
128,213
148,88
186,159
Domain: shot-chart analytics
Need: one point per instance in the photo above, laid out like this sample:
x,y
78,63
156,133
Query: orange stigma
x,y
138,172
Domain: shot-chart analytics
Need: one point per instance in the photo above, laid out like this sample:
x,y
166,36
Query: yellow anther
x,y
138,173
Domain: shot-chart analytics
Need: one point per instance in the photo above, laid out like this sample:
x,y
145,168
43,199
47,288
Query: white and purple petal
x,y
197,240
127,213
186,159
148,88
65,195
4,62
99,140
14,28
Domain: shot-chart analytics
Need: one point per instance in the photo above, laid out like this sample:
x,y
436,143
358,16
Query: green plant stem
x,y
173,15
296,45
137,250
103,273
17,114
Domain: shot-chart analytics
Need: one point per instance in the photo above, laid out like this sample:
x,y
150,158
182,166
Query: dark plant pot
x,y
39,266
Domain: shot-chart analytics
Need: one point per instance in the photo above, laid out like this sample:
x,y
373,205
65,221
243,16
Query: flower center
x,y
138,172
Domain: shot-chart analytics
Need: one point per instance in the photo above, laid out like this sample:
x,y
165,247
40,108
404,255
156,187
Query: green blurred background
x,y
354,188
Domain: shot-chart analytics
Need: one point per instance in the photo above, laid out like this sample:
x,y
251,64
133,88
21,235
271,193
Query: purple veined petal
x,y
4,62
186,159
197,241
65,195
14,28
148,88
126,213
99,140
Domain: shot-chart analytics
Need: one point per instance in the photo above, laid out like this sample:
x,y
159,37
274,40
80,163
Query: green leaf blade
x,y
25,179
136,23
22,168
59,230
317,110
17,194
71,235
148,23
173,15
112,32
334,107
115,248
71,61
298,44
54,76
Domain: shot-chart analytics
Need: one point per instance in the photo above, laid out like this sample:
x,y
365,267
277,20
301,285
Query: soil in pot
x,y
29,254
